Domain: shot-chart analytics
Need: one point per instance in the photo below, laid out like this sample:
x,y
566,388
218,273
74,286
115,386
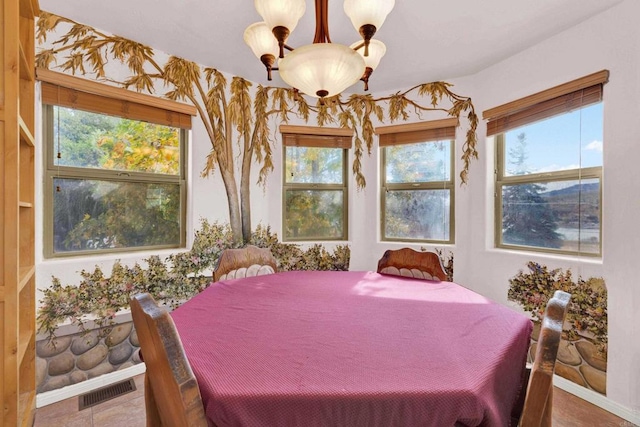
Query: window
x,y
417,188
549,169
315,192
114,173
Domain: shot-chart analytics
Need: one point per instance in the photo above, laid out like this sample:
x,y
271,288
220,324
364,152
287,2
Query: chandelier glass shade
x,y
261,41
322,68
259,38
281,13
367,12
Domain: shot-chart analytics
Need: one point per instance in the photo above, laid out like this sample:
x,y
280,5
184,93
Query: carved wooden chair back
x,y
172,396
411,263
245,262
539,395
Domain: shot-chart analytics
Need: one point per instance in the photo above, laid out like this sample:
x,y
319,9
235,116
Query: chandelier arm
x,y
268,60
365,77
281,33
322,22
367,31
358,47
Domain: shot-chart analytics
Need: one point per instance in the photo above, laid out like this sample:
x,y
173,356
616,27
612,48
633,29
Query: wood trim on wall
x,y
100,89
546,109
410,127
76,99
320,137
601,77
313,130
411,133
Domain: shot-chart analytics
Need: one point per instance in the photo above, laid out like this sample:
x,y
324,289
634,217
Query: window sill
x,y
591,260
98,257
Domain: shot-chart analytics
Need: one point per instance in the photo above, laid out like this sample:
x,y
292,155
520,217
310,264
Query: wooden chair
x,y
410,263
245,262
171,393
539,394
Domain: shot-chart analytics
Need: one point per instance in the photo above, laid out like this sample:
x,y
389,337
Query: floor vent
x,y
106,393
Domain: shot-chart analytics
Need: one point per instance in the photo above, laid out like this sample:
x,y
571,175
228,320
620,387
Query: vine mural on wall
x,y
101,346
229,113
95,302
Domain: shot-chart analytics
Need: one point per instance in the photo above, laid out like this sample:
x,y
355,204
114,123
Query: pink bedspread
x,y
352,349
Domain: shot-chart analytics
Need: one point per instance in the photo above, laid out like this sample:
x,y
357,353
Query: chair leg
x,y
151,408
548,409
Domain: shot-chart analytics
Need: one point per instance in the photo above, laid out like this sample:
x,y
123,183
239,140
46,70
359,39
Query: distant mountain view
x,y
586,188
576,201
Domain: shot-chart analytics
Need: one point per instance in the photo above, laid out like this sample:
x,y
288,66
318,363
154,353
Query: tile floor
x,y
128,410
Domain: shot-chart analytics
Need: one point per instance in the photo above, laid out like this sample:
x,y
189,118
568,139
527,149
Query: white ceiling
x,y
426,40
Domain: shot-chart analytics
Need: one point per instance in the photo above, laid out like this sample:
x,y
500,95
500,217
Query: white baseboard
x,y
53,396
597,399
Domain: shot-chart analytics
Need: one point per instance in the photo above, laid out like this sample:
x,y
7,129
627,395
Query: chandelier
x,y
322,68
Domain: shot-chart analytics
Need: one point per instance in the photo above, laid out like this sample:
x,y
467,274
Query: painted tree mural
x,y
235,113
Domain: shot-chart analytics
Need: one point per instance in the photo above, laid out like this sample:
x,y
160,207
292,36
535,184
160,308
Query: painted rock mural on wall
x,y
582,356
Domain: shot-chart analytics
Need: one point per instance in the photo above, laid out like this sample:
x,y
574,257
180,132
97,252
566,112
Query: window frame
x,y
414,133
52,171
534,178
312,137
553,102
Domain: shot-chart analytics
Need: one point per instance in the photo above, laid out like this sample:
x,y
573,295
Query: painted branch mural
x,y
230,114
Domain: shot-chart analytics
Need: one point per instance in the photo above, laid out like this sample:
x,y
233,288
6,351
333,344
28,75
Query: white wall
x,y
607,41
